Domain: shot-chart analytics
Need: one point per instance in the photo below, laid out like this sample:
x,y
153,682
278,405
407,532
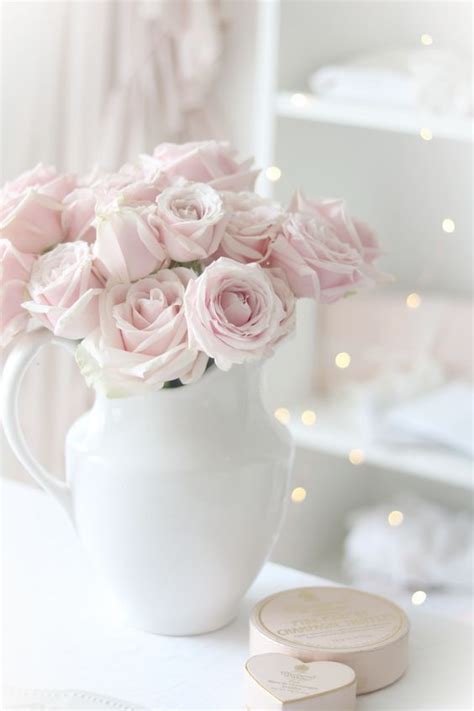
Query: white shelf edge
x,y
384,119
336,435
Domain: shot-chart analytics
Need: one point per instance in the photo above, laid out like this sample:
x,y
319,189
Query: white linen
x,y
432,548
72,699
426,78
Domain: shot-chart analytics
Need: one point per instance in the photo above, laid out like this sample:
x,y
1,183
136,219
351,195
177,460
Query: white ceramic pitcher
x,y
177,496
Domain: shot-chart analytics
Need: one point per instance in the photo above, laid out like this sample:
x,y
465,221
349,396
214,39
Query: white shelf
x,y
337,431
310,108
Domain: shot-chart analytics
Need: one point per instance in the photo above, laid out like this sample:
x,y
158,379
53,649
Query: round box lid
x,y
365,631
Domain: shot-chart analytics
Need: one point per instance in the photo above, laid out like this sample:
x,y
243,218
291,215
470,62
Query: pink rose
x,y
323,252
142,341
349,229
127,245
191,220
64,289
251,229
205,162
132,186
282,290
233,312
79,214
15,269
31,206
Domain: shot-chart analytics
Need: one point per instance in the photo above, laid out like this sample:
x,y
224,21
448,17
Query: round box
x,y
364,631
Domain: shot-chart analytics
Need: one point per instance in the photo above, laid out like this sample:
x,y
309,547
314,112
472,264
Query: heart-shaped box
x,y
364,631
279,682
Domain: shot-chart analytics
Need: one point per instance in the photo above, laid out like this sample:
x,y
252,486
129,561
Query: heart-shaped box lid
x,y
288,680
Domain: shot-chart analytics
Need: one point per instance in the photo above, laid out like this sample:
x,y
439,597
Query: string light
x,y
273,173
426,39
418,597
395,518
413,300
299,100
356,456
342,360
282,415
426,133
448,225
308,417
298,495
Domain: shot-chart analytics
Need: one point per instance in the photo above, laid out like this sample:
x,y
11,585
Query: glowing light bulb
x,y
298,495
299,100
426,133
273,173
282,415
413,300
426,39
356,456
342,360
419,597
395,518
308,417
448,225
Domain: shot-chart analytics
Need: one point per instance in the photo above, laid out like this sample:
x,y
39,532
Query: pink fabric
x,y
168,59
382,332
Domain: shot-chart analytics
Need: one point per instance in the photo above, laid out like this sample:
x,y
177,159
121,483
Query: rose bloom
x,y
31,206
349,229
79,214
283,291
252,227
233,312
210,162
131,186
128,246
142,341
323,252
64,289
15,269
191,220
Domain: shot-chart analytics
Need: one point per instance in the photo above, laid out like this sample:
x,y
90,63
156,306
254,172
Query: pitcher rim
x,y
207,379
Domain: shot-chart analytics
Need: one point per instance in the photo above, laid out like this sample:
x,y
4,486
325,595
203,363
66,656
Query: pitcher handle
x,y
15,368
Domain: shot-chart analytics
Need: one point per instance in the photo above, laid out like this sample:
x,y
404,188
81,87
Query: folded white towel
x,y
443,416
425,78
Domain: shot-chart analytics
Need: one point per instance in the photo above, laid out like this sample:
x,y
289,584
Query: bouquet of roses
x,y
169,264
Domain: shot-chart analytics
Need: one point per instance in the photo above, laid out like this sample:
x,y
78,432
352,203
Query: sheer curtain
x,y
86,82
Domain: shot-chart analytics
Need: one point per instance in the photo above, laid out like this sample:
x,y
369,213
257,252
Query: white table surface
x,y
60,632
